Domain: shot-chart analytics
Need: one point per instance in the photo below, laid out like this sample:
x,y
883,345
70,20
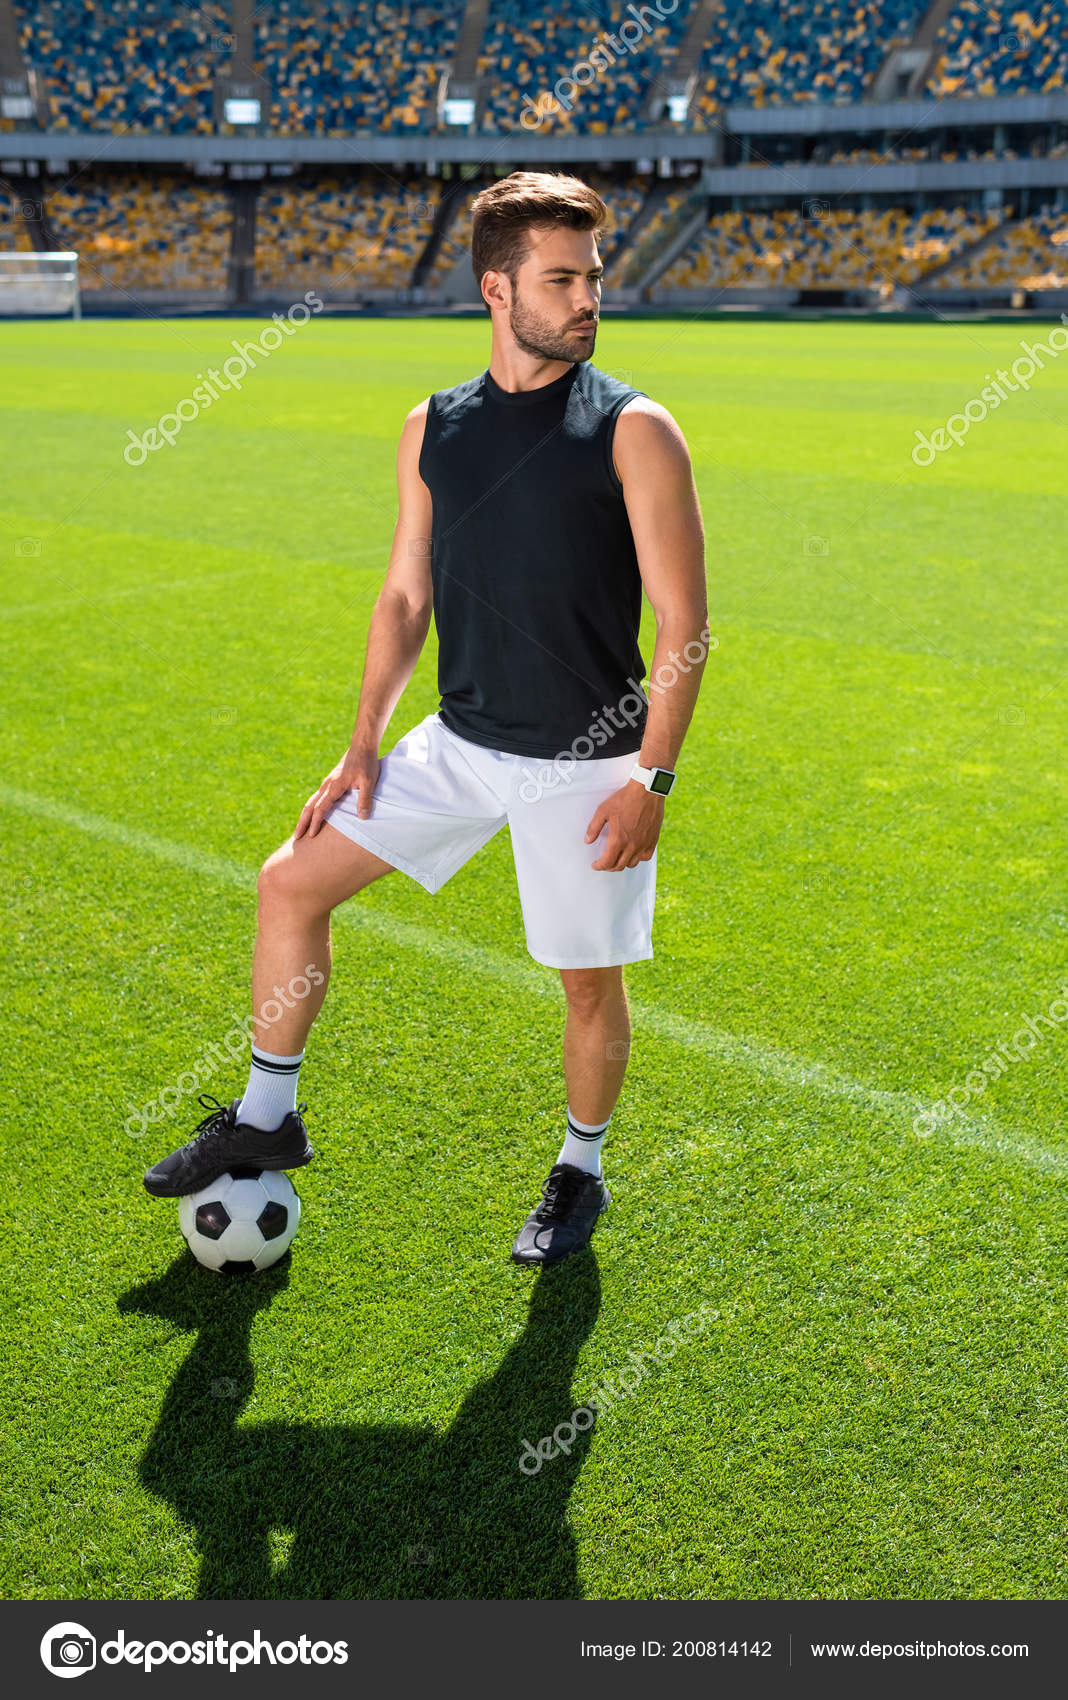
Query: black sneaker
x,y
571,1201
221,1143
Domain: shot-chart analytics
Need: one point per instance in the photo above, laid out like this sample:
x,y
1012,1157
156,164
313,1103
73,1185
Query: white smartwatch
x,y
658,780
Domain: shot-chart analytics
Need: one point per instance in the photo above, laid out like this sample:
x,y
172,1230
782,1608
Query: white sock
x,y
272,1090
582,1144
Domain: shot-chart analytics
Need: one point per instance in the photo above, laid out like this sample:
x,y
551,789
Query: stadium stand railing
x,y
628,266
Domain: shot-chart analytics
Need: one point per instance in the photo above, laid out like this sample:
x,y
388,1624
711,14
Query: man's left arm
x,y
653,463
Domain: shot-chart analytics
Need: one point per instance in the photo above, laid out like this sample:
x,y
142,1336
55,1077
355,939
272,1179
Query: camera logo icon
x,y
68,1650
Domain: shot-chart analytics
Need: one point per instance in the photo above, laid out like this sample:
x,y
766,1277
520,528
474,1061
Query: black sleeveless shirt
x,y
537,594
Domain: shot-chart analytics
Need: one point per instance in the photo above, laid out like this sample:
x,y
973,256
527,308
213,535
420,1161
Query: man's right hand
x,y
356,771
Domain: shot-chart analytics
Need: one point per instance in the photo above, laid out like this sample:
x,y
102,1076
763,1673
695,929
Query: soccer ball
x,y
242,1222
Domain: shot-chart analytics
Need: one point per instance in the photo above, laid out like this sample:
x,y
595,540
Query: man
x,y
535,503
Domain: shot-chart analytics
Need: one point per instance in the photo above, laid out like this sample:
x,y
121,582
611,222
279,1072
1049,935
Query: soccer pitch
x,y
858,905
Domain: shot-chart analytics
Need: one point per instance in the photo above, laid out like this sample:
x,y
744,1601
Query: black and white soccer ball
x,y
242,1222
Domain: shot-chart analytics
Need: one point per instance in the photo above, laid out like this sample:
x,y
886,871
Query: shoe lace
x,y
559,1192
215,1123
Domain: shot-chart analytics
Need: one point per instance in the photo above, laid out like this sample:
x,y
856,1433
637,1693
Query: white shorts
x,y
439,798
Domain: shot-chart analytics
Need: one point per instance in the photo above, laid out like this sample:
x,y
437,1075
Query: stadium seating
x,y
456,242
843,249
616,268
1030,254
943,156
364,233
866,156
126,64
761,52
624,200
14,235
334,66
135,232
361,233
530,45
987,49
764,52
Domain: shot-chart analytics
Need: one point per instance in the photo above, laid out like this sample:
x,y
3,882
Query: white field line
x,y
726,1049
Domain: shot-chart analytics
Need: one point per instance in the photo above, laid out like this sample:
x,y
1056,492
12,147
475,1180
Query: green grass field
x,y
858,900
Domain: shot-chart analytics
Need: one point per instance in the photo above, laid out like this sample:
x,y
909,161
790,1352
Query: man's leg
x,y
596,1041
299,886
596,1048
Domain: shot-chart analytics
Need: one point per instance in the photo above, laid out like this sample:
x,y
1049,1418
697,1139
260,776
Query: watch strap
x,y
658,780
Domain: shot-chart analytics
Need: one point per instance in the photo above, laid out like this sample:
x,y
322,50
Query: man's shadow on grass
x,y
368,1511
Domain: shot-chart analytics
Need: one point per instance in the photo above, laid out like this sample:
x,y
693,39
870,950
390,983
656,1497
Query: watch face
x,y
661,782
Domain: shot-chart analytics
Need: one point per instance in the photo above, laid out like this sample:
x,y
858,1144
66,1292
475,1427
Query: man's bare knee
x,y
591,991
281,885
311,877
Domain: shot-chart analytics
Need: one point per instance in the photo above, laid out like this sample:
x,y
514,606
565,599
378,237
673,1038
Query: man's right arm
x,y
399,625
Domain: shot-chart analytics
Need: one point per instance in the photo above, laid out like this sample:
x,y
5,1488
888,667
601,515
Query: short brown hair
x,y
502,215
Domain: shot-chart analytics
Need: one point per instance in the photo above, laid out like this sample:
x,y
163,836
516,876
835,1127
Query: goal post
x,y
38,284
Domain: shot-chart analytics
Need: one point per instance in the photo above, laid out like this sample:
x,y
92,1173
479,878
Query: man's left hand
x,y
633,817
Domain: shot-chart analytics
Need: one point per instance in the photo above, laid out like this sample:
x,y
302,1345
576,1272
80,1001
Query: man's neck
x,y
513,370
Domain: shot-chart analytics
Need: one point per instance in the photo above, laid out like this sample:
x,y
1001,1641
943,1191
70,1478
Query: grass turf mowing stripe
x,y
729,1048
